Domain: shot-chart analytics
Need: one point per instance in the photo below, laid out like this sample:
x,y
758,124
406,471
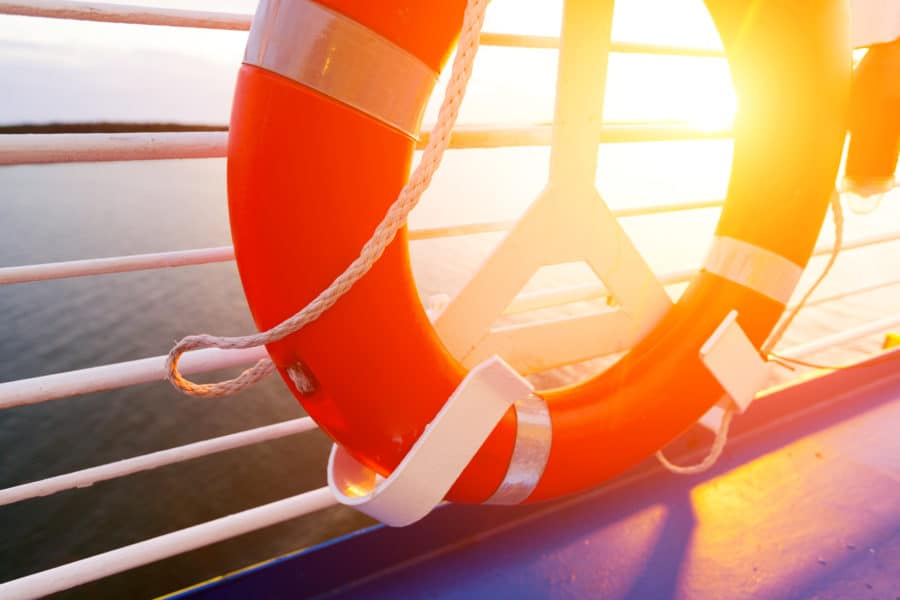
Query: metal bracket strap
x,y
436,460
735,363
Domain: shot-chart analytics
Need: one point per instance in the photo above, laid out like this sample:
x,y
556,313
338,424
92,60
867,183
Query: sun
x,y
697,92
713,105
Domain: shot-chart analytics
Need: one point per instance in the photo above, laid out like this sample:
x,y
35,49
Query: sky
x,y
55,70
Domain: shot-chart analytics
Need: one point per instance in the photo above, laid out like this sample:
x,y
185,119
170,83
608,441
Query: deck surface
x,y
804,504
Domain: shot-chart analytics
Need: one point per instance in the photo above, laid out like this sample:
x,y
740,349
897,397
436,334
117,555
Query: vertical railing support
x,y
568,222
580,85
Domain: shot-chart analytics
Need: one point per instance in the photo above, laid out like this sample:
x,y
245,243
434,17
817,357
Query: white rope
x,y
384,233
715,451
837,214
711,457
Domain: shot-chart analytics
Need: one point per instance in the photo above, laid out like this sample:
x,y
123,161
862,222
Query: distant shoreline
x,y
107,127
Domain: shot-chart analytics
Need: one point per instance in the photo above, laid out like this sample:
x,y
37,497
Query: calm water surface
x,y
50,213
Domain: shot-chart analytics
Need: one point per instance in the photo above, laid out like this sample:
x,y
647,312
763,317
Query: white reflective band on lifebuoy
x,y
341,59
534,435
438,457
753,267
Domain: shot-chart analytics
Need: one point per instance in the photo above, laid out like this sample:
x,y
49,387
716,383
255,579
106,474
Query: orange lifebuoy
x,y
315,160
874,121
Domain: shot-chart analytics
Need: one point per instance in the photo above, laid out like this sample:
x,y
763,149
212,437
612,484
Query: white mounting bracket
x,y
735,363
874,22
436,460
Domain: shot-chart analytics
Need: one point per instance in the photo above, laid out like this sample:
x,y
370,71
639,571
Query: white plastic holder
x,y
735,363
874,22
439,456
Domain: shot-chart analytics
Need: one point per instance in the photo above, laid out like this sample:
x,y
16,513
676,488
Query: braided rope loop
x,y
715,451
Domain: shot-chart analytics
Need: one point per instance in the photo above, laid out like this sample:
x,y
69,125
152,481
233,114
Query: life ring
x,y
313,166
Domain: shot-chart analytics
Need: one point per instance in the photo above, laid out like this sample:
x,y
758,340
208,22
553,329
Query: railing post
x,y
580,84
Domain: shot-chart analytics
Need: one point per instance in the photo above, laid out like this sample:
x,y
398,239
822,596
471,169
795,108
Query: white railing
x,y
38,148
117,375
56,148
152,15
523,303
120,13
115,264
842,337
591,291
202,256
154,460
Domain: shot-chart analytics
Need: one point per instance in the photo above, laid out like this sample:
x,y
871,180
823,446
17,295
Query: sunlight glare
x,y
695,91
714,109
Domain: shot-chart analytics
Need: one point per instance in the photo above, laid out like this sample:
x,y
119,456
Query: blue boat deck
x,y
805,503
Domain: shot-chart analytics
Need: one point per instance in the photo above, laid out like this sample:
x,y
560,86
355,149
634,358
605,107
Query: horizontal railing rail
x,y
115,264
151,15
825,299
842,337
46,148
513,40
540,134
154,460
122,13
202,256
523,303
499,226
592,291
43,148
35,390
